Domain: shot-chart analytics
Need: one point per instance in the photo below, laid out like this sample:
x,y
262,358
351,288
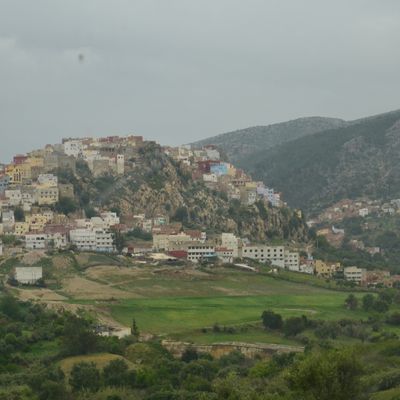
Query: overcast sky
x,y
181,70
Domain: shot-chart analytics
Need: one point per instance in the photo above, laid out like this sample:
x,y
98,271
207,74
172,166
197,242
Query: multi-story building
x,y
354,274
47,180
18,173
224,254
110,218
21,228
37,222
8,221
200,251
73,148
83,239
47,195
35,241
262,253
14,196
230,241
99,240
326,270
292,260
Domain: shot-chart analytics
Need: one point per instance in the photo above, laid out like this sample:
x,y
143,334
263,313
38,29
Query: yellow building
x,y
326,270
21,228
18,172
251,185
37,222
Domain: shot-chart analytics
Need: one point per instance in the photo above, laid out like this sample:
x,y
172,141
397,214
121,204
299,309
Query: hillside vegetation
x,y
359,159
239,146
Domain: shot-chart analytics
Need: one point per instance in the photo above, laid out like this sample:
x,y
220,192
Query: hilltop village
x,y
36,212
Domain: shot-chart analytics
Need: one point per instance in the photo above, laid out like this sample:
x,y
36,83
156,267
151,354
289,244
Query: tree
x,y
134,328
380,306
19,214
85,376
66,205
10,307
386,296
333,375
294,325
119,241
271,320
181,214
90,212
115,373
368,302
351,302
190,354
78,336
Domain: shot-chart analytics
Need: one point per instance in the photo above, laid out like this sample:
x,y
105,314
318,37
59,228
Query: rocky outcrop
x,y
217,350
155,184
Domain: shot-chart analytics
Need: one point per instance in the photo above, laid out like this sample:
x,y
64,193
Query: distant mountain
x,y
240,145
358,158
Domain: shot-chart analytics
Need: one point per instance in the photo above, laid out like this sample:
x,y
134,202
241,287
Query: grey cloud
x,y
180,70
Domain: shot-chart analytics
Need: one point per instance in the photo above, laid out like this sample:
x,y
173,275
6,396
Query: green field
x,y
186,303
186,317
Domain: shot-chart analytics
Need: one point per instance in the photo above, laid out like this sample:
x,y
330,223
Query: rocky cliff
x,y
155,184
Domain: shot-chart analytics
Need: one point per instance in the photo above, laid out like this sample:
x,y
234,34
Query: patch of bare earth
x,y
39,294
81,288
33,257
104,272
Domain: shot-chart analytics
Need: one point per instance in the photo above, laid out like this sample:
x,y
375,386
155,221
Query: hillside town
x,y
30,192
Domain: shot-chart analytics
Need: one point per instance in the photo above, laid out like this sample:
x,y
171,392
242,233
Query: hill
x,y
355,160
240,145
154,184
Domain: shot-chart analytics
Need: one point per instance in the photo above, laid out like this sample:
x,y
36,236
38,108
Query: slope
x,y
359,159
243,143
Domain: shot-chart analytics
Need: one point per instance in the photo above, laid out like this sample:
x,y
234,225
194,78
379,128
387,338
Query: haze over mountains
x,y
317,161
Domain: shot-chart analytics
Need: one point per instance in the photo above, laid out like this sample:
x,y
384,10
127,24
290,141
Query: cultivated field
x,y
184,302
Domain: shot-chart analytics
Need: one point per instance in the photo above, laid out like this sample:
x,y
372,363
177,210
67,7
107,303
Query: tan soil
x,y
81,288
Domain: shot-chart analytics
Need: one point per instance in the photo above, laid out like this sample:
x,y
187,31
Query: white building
x,y
83,239
274,254
48,180
199,251
110,218
8,220
212,153
230,241
14,196
35,241
1,248
354,274
57,240
28,275
73,148
99,240
120,164
104,241
210,178
306,269
224,254
292,260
